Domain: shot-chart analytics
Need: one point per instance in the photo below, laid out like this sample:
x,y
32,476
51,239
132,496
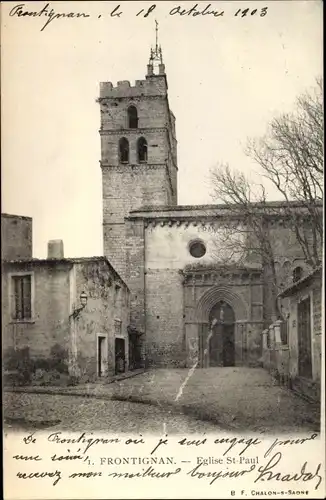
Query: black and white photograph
x,y
162,242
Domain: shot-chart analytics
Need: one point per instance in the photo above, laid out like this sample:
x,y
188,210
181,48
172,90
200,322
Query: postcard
x,y
162,250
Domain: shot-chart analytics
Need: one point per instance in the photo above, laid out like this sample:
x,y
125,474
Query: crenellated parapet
x,y
154,85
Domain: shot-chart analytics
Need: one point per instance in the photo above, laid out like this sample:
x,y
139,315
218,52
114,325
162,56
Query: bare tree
x,y
245,233
290,156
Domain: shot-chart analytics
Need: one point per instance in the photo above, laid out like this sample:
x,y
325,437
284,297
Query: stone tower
x,y
138,152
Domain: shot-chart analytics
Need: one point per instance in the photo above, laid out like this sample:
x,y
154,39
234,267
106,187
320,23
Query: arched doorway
x,y
221,335
200,312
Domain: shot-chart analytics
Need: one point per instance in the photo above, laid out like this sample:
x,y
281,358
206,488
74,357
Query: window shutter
x,y
17,298
27,299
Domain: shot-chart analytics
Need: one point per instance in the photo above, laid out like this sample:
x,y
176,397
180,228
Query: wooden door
x,y
101,355
216,346
304,338
228,345
120,355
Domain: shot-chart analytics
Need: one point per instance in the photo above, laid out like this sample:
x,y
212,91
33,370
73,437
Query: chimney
x,y
55,249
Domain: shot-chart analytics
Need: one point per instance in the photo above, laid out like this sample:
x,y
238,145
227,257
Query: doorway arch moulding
x,y
202,291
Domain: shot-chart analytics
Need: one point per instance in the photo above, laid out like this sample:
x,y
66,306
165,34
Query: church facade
x,y
186,304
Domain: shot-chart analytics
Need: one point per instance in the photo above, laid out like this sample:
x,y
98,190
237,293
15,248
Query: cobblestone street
x,y
240,398
77,413
208,400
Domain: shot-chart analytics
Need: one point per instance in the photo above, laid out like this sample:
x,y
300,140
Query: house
x,y
79,304
304,330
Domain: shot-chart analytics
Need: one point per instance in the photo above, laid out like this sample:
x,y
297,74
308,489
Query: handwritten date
x,y
51,14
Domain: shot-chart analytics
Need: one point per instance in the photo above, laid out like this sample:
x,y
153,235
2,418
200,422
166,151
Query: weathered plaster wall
x,y
56,289
49,324
107,308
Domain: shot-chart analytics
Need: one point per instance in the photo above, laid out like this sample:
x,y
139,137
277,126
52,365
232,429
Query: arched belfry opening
x,y
142,150
124,150
132,117
221,348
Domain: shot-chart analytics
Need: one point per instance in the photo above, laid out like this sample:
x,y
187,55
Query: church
x,y
162,294
186,305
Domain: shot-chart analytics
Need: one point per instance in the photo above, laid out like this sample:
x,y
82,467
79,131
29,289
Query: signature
x,y
266,472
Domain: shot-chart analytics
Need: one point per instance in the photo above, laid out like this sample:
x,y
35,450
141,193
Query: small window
x,y
142,150
132,117
297,274
22,297
124,150
117,327
197,249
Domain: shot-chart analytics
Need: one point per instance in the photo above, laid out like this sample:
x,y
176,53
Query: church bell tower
x,y
138,152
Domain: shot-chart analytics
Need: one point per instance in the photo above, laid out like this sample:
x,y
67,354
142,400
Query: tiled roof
x,y
33,260
65,259
290,290
167,208
69,260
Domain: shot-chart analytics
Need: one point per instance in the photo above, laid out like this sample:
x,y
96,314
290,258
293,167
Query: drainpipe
x,y
72,363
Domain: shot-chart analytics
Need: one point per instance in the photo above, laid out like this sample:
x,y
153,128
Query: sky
x,y
228,76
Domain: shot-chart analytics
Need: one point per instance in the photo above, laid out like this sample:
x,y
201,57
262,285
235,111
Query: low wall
x,y
276,355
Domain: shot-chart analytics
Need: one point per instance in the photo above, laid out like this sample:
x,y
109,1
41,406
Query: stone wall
x,y
135,271
165,336
16,237
123,190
